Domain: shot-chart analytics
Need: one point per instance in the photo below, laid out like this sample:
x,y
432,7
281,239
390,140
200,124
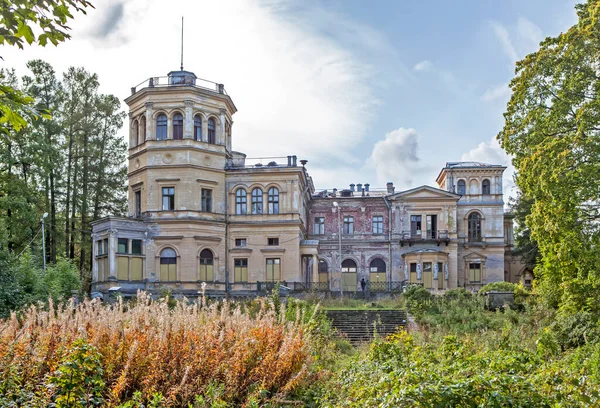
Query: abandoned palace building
x,y
203,215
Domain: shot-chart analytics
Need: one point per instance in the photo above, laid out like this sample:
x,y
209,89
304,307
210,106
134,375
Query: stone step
x,y
360,325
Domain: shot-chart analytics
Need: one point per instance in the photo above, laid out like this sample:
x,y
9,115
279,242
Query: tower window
x,y
143,130
198,127
206,200
138,203
474,227
462,187
273,201
135,137
161,127
178,126
168,198
485,187
212,138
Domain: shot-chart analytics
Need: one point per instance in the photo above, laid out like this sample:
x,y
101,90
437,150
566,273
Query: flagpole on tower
x,y
182,43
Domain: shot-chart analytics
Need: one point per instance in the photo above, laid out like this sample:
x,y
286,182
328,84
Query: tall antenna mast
x,y
182,43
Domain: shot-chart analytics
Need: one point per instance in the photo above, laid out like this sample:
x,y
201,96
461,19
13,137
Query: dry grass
x,y
147,346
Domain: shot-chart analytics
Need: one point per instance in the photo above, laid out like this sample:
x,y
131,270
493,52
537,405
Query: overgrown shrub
x,y
167,355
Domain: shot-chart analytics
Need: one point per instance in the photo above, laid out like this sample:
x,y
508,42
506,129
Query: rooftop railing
x,y
177,81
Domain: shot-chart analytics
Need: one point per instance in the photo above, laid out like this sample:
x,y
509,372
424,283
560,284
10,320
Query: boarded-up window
x,y
413,273
103,271
240,273
123,268
206,266
427,275
136,268
377,270
273,270
474,272
168,265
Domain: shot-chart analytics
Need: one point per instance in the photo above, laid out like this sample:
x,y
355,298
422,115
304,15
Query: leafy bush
x,y
417,299
576,330
498,286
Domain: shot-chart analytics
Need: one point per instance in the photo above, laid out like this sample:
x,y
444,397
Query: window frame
x,y
177,126
162,127
273,241
461,187
377,224
204,263
206,200
135,242
241,242
198,128
416,225
474,227
137,203
319,226
240,265
119,243
273,266
381,263
241,201
212,131
474,268
348,225
143,128
273,200
170,196
486,187
257,201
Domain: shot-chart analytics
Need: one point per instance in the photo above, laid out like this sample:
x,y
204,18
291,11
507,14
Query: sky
x,y
366,91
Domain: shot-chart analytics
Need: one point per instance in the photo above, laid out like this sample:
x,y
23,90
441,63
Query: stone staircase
x,y
360,326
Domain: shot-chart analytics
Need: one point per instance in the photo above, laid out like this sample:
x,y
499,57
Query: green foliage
x,y
78,381
551,128
61,280
417,299
497,286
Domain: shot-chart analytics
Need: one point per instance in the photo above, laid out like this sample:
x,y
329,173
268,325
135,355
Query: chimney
x,y
289,161
390,187
367,187
352,187
294,160
335,192
221,88
359,187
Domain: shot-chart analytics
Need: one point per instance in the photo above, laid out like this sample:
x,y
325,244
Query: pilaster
x,y
149,123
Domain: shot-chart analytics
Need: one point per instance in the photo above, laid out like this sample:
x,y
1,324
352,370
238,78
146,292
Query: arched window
x,y
135,129
142,130
207,273
377,265
168,265
257,201
349,266
462,187
212,138
273,201
323,274
197,127
485,187
161,127
240,201
178,126
474,227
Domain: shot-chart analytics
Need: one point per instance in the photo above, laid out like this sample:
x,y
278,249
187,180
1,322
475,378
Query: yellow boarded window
x,y
240,270
413,273
273,270
136,269
428,275
122,268
168,265
475,272
206,266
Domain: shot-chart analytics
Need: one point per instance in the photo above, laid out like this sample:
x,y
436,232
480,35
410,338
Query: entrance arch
x,y
349,275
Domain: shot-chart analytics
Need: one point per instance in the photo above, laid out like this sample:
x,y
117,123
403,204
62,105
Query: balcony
x,y
437,236
187,80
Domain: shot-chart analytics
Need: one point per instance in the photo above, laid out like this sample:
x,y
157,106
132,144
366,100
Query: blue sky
x,y
367,91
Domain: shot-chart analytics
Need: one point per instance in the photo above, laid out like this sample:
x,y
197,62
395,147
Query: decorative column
x,y
315,268
169,127
188,128
205,129
112,254
221,136
149,112
94,259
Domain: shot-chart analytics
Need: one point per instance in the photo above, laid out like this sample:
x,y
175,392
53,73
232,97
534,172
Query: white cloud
x,y
491,152
298,90
424,65
529,32
395,158
495,93
505,40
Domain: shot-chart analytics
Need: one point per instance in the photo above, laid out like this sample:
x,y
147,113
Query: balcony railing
x,y
188,80
310,286
394,286
419,235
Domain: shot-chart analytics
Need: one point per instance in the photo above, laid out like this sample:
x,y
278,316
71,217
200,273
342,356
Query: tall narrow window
x,y
240,272
240,201
431,221
161,127
378,224
142,130
413,273
178,126
319,228
461,187
206,266
485,187
474,227
135,136
136,246
198,127
122,245
415,226
168,265
377,271
348,224
273,201
257,201
212,127
138,203
206,200
273,270
168,198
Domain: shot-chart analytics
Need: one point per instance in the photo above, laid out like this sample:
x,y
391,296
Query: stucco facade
x,y
204,217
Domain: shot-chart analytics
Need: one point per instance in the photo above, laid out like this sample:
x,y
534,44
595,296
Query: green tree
x,y
525,246
19,20
551,128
